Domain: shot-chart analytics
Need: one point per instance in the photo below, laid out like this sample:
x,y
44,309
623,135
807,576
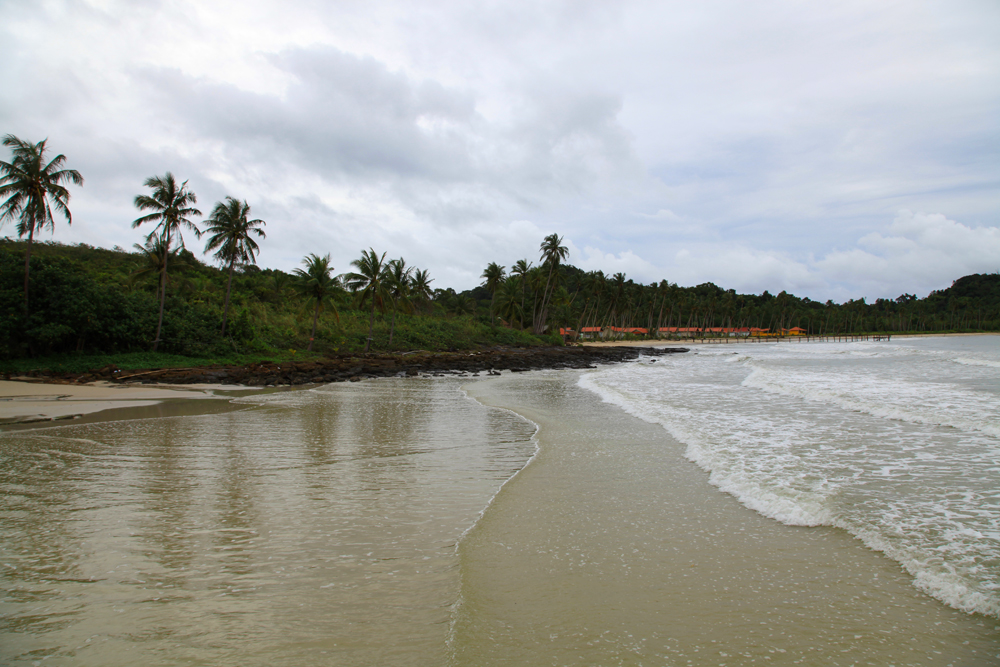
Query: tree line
x,y
76,298
569,298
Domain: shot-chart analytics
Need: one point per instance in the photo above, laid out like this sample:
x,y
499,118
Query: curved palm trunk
x,y
225,308
392,328
313,334
542,315
163,294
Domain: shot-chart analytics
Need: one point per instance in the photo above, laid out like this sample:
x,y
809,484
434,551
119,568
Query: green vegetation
x,y
92,306
32,188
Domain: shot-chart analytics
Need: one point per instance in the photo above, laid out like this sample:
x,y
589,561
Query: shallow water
x,y
315,527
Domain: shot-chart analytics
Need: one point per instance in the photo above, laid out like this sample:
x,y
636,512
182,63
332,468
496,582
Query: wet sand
x,y
39,403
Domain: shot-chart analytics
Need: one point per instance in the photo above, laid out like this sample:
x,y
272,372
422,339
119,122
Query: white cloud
x,y
663,214
918,253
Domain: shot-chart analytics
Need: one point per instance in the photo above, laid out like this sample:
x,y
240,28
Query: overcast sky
x,y
834,150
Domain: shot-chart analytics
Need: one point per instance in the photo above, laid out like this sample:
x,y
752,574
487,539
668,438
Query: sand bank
x,y
23,402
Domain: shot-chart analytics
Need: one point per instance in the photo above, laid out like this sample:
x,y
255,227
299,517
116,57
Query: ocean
x,y
784,504
898,443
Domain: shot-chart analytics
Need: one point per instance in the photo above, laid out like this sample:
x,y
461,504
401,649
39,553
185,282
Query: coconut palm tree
x,y
32,188
231,230
170,205
494,276
398,280
420,287
552,252
509,301
520,269
369,283
318,287
154,256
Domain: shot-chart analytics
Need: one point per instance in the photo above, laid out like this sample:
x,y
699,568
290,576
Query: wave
x,y
967,361
929,403
805,466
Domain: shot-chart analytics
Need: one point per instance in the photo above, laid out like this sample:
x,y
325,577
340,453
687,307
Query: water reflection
x,y
312,527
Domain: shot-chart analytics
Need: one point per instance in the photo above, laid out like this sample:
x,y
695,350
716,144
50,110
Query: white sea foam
x,y
898,446
933,403
967,361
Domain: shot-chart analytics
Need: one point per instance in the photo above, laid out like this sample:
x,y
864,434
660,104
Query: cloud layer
x,y
757,147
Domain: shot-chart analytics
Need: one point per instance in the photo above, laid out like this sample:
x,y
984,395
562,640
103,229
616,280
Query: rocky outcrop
x,y
354,368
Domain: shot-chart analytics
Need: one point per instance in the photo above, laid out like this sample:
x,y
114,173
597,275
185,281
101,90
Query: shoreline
x,y
56,398
611,519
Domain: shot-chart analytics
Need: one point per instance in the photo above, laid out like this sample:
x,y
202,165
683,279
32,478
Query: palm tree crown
x,y
170,205
231,229
32,189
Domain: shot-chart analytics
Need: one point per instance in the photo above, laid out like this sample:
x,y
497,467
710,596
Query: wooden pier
x,y
825,338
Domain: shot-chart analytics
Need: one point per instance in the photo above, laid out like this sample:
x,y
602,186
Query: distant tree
x,y
398,282
318,287
32,189
494,276
231,229
420,287
369,283
170,205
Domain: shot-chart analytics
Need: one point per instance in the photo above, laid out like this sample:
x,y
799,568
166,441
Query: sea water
x,y
399,522
897,443
309,527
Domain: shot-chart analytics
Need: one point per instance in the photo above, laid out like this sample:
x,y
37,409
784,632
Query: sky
x,y
832,150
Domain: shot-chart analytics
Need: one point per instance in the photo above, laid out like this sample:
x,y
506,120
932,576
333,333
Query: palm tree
x,y
398,280
552,252
317,287
494,275
369,282
420,287
154,257
520,269
29,184
170,204
510,300
231,240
